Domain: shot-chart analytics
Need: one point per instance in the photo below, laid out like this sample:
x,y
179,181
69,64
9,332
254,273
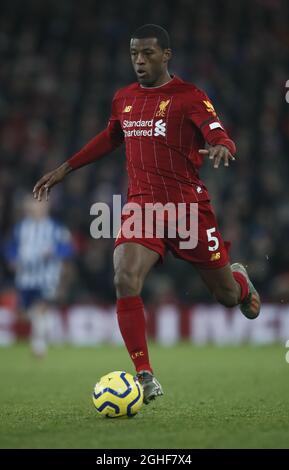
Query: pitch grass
x,y
230,397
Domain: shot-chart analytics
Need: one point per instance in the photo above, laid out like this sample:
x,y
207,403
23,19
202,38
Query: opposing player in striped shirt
x,y
36,251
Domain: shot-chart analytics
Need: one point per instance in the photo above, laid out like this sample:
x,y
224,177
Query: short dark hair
x,y
153,31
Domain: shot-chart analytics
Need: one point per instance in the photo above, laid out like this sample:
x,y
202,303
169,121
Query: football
x,y
117,395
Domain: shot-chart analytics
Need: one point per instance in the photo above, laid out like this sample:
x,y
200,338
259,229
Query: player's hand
x,y
49,180
218,153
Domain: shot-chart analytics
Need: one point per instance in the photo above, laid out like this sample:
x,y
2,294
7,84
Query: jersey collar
x,y
172,81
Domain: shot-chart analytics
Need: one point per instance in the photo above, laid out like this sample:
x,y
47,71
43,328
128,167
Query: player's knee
x,y
127,283
227,297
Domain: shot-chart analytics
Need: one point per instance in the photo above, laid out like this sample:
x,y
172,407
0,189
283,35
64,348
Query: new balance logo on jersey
x,y
215,256
160,128
127,109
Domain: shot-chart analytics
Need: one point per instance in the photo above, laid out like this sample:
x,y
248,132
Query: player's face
x,y
149,60
35,209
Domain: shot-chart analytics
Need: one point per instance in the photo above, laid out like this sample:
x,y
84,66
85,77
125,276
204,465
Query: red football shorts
x,y
211,251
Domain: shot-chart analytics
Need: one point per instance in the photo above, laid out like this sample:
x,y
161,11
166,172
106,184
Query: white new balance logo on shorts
x,y
160,128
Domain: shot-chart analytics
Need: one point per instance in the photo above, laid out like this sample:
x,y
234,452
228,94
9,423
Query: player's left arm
x,y
204,116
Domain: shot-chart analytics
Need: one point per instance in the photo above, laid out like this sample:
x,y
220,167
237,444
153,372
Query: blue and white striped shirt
x,y
37,248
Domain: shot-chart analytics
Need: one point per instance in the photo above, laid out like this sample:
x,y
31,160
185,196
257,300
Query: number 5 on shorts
x,y
211,238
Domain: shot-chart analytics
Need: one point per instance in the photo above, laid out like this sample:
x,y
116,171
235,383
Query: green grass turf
x,y
214,398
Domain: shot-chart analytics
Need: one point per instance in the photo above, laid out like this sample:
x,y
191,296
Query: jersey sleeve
x,y
103,143
202,113
114,130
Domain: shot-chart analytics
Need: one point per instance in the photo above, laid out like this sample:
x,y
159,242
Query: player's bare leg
x,y
132,262
231,286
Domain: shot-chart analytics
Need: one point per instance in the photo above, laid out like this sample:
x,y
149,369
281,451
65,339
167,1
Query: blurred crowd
x,y
61,62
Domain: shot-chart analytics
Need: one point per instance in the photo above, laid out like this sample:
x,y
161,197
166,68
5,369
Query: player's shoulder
x,y
55,223
59,230
191,90
125,91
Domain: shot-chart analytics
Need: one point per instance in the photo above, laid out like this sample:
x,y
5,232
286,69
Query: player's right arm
x,y
102,144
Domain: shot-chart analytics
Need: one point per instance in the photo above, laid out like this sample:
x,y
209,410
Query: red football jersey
x,y
163,129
